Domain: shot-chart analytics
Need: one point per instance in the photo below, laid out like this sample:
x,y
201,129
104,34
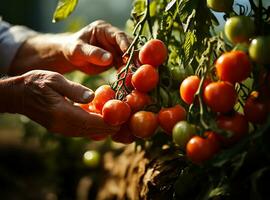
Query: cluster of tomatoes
x,y
217,92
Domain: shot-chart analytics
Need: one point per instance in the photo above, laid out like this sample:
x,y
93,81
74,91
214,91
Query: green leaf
x,y
64,9
218,192
190,40
170,5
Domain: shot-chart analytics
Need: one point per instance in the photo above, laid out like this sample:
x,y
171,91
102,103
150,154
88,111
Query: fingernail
x,y
106,57
87,95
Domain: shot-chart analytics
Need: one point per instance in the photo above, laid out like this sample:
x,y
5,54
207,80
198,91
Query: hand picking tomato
x,y
220,96
239,29
154,52
115,112
103,94
201,149
233,66
255,109
137,100
143,124
182,132
236,124
145,78
124,135
168,117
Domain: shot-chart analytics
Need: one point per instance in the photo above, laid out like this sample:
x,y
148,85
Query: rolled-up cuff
x,y
11,38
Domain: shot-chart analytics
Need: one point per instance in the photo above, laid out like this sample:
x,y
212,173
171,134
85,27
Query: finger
x,y
118,37
73,91
95,55
74,121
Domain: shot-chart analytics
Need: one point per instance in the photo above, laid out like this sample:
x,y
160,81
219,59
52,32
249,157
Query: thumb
x,y
73,91
95,55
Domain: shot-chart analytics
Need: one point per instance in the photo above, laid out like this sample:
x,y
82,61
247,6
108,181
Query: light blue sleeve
x,y
11,38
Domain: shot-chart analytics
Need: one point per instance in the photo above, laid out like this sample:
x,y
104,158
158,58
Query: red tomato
x,y
220,96
84,106
233,66
143,124
92,108
189,87
255,109
124,135
154,52
201,149
168,117
103,94
145,78
128,77
115,112
137,100
236,124
98,137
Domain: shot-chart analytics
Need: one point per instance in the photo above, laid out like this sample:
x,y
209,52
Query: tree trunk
x,y
140,174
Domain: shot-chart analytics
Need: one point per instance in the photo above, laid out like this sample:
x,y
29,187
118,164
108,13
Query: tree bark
x,y
140,174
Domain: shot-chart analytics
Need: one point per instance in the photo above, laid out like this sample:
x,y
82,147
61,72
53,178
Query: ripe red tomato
x,y
220,96
233,66
127,83
154,52
255,109
124,135
103,94
137,100
98,137
168,117
115,112
145,78
201,149
189,87
236,124
92,108
143,124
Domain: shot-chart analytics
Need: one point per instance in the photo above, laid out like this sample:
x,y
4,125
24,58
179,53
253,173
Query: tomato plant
x,y
143,124
153,52
115,112
259,49
145,78
239,29
233,66
220,5
168,117
137,100
201,149
182,132
236,124
220,96
103,94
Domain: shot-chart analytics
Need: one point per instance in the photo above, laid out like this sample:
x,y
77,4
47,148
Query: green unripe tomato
x,y
182,132
220,5
239,29
91,158
259,50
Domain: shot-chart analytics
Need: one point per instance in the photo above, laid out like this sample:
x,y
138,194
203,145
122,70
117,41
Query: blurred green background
x,y
36,164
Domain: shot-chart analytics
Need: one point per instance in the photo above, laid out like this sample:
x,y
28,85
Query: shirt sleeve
x,y
11,38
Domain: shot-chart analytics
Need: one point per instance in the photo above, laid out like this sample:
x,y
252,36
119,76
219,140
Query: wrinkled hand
x,y
96,47
43,100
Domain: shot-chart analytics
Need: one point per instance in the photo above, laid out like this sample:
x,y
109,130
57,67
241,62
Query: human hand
x,y
43,95
93,49
96,47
